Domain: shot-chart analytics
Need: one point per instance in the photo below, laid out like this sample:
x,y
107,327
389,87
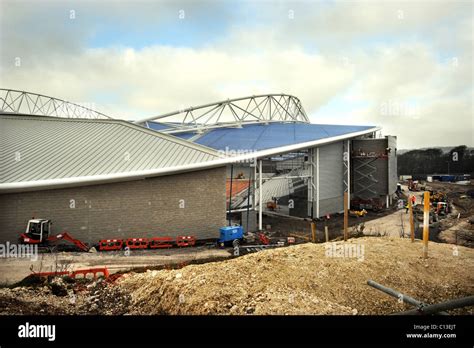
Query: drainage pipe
x,y
404,298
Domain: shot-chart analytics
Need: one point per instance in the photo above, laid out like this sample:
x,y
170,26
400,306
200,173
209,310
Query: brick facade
x,y
143,208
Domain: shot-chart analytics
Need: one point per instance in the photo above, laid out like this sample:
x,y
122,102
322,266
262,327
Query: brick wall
x,y
143,208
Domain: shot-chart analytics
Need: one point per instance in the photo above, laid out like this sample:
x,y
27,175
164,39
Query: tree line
x,y
459,160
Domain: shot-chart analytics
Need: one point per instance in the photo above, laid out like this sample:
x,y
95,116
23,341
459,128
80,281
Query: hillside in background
x,y
455,160
444,149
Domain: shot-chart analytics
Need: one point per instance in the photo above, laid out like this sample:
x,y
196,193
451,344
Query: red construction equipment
x,y
73,274
414,185
110,244
271,205
137,243
184,241
66,236
160,242
37,232
263,239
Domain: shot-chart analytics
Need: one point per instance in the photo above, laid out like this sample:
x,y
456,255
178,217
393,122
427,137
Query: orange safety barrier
x,y
184,241
160,242
73,274
137,243
110,244
87,271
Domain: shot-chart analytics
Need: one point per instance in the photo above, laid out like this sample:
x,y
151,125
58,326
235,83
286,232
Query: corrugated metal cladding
x,y
266,136
41,148
331,180
331,185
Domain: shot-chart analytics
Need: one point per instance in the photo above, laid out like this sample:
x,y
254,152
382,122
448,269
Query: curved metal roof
x,y
41,152
35,149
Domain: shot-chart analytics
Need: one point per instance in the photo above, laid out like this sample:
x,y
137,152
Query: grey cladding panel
x,y
331,205
331,171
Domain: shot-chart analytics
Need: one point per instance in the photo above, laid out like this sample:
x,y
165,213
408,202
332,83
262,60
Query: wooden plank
x,y
346,215
426,223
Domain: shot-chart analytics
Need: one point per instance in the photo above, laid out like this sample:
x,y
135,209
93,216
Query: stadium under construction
x,y
191,171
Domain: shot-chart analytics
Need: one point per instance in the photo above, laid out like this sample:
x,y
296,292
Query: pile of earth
x,y
309,279
327,278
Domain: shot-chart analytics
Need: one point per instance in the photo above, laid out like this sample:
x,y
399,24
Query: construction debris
x,y
64,295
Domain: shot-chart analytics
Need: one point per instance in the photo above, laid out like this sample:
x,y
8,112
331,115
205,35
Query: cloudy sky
x,y
404,65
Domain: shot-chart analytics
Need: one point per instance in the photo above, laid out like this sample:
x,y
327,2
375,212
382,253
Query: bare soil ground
x,y
283,227
13,270
457,229
301,279
453,229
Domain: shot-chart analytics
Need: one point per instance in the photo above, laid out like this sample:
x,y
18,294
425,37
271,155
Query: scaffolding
x,y
365,173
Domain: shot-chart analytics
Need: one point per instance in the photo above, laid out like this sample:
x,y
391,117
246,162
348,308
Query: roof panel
x,y
58,148
185,135
266,136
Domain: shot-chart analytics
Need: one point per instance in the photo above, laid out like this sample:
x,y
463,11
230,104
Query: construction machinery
x,y
438,196
414,185
374,204
272,205
38,230
231,234
442,208
357,213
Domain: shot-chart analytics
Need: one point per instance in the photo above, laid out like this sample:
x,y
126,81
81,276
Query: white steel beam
x,y
317,183
260,196
348,174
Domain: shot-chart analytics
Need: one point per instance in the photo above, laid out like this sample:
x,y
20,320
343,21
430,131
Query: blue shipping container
x,y
448,178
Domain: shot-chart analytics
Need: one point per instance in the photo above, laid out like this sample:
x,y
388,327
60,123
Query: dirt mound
x,y
59,295
308,279
105,299
457,232
33,301
325,278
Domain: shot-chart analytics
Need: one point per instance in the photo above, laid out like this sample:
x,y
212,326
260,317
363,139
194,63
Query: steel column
x,y
317,183
260,197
